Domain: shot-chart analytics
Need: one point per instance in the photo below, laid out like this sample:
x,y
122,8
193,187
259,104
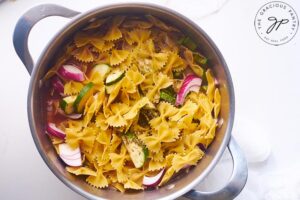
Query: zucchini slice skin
x,y
114,77
101,69
137,151
66,104
83,96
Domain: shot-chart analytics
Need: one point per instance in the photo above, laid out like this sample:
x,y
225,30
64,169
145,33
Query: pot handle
x,y
27,21
236,182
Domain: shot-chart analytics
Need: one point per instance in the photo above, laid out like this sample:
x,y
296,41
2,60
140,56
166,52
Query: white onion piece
x,y
71,157
54,131
194,88
153,181
71,72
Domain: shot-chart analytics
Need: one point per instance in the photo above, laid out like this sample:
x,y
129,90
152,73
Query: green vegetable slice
x,y
66,104
168,94
137,151
101,69
200,59
85,93
177,75
146,115
167,97
114,77
188,42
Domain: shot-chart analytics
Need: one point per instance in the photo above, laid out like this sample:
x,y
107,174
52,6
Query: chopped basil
x,y
188,42
177,75
168,94
200,59
146,115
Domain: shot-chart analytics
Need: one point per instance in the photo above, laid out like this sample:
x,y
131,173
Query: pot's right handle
x,y
237,180
27,21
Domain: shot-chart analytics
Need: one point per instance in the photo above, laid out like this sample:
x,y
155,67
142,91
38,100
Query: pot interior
x,y
184,181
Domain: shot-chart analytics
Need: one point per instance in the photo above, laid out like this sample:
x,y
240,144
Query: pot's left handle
x,y
27,21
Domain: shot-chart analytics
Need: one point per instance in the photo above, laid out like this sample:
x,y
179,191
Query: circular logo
x,y
276,23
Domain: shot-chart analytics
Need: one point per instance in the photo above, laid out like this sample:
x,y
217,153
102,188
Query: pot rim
x,y
99,9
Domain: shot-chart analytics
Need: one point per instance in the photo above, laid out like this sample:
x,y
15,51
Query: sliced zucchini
x,y
114,77
66,104
83,96
137,151
101,69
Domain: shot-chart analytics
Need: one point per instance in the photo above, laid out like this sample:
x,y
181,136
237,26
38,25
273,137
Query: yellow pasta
x,y
72,88
83,54
118,160
117,119
118,56
161,81
98,181
138,36
156,165
191,158
124,117
174,62
217,102
81,171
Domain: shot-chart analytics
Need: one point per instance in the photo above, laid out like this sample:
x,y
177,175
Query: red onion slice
x,y
54,131
71,72
190,83
153,181
57,85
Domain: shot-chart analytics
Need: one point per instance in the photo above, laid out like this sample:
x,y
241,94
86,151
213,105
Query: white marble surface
x,y
266,80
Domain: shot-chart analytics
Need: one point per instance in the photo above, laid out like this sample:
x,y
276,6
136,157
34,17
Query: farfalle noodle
x,y
139,59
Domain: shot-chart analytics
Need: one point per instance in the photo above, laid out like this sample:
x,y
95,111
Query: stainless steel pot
x,y
181,186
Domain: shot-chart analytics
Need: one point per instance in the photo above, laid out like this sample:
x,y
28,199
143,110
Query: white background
x,y
266,80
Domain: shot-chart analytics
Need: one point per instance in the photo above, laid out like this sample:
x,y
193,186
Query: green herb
x,y
203,88
180,41
168,94
188,42
177,75
130,135
146,115
167,97
200,59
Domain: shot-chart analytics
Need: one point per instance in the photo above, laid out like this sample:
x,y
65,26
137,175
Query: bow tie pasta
x,y
130,100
